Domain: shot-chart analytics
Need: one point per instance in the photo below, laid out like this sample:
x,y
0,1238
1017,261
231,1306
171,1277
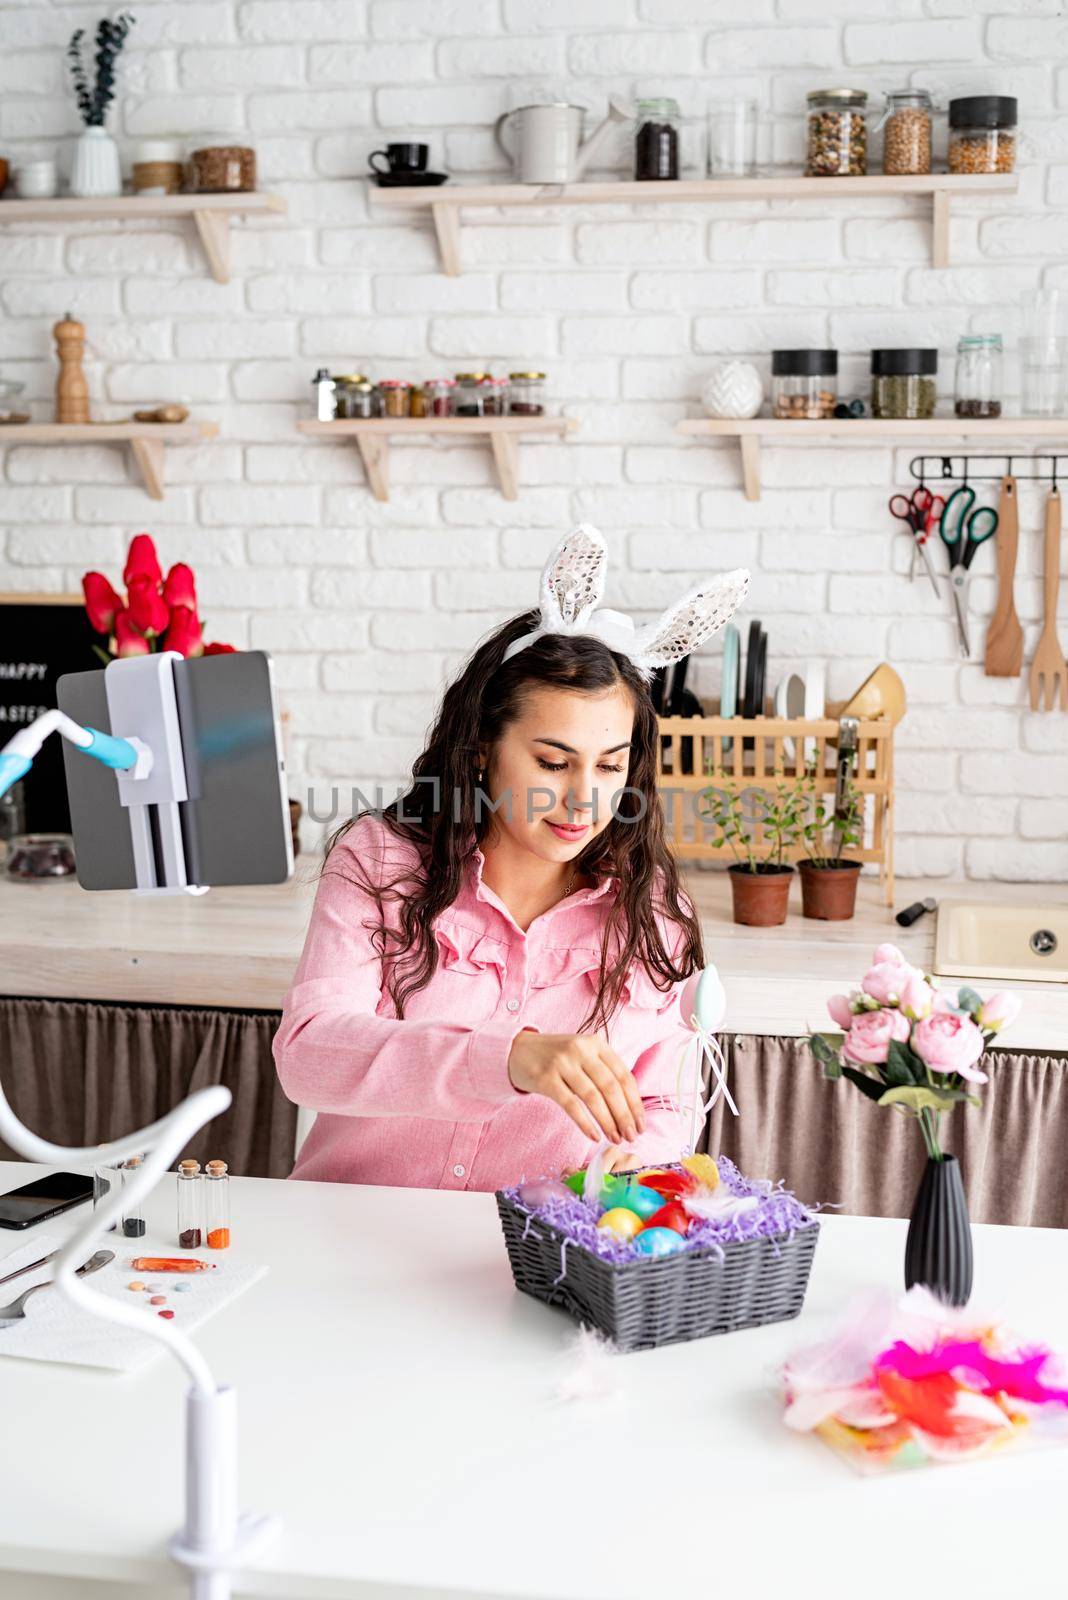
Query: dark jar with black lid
x,y
656,141
804,384
982,133
903,383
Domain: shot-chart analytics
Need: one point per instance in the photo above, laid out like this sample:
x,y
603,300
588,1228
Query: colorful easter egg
x,y
635,1197
658,1242
703,1168
669,1184
673,1215
540,1192
625,1224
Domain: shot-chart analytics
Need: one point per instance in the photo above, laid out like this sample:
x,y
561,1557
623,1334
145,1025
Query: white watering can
x,y
550,145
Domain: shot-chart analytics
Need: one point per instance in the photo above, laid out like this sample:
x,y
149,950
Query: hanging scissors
x,y
962,531
922,511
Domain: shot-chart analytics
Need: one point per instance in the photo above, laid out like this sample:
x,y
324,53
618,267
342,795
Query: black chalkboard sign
x,y
42,636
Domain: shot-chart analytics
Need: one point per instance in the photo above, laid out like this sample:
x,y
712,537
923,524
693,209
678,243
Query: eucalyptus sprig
x,y
95,97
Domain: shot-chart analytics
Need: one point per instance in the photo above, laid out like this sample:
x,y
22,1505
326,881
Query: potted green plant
x,y
759,835
828,876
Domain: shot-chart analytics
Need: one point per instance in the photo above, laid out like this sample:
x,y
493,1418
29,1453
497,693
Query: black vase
x,y
938,1250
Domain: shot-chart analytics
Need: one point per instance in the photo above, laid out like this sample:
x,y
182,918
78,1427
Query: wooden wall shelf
x,y
211,214
942,189
753,431
147,440
372,438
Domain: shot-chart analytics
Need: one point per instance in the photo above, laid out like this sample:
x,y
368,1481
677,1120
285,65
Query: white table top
x,y
396,1407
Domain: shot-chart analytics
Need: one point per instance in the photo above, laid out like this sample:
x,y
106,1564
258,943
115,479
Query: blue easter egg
x,y
637,1198
659,1242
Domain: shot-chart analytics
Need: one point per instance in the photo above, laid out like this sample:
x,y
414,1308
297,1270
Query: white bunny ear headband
x,y
572,583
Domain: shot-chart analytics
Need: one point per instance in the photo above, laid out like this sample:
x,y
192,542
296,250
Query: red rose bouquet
x,y
159,613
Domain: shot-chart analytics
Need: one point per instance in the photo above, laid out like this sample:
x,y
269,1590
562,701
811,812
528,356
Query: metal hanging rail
x,y
960,468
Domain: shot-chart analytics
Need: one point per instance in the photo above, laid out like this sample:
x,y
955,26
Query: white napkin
x,y
55,1330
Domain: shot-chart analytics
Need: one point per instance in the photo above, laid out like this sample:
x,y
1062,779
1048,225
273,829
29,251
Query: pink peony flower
x,y
886,979
917,998
868,1040
838,1006
946,1042
888,952
999,1010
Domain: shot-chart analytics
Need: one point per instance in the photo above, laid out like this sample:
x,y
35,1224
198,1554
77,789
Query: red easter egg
x,y
673,1215
670,1184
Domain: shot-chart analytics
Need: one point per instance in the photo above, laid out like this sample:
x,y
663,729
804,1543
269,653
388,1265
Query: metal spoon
x,y
17,1308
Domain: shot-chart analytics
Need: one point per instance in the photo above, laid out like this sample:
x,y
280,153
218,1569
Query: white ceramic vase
x,y
96,170
733,389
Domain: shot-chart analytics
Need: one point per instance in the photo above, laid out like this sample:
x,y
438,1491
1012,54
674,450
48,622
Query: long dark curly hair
x,y
476,709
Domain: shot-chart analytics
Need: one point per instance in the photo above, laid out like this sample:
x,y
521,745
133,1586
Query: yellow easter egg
x,y
625,1224
704,1170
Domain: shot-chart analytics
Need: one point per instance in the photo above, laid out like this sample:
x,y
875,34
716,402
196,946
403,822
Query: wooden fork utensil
x,y
1049,671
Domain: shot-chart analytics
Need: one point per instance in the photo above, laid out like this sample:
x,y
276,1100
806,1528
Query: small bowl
x,y
882,694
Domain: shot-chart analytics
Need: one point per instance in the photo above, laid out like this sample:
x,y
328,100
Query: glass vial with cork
x,y
217,1205
190,1205
133,1216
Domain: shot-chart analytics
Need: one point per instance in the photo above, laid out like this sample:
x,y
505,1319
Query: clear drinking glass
x,y
732,133
1043,354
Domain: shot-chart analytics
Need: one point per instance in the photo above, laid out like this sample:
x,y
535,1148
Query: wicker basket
x,y
661,1300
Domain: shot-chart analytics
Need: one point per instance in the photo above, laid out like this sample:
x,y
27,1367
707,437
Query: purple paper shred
x,y
778,1213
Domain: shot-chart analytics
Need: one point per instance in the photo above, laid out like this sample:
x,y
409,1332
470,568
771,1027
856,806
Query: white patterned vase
x,y
96,170
733,389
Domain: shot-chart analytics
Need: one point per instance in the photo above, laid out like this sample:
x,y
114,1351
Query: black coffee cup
x,y
401,158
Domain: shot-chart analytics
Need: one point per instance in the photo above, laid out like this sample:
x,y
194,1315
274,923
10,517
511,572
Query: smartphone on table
x,y
44,1197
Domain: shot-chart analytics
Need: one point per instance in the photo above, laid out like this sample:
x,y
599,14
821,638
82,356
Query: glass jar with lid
x,y
470,394
220,163
982,133
906,125
353,395
526,394
438,396
977,385
804,384
837,134
903,383
395,397
656,139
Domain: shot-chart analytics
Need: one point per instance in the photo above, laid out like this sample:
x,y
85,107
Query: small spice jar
x,y
220,163
977,385
470,394
526,394
347,389
906,127
804,384
417,401
982,133
903,383
656,140
395,396
837,134
157,167
439,393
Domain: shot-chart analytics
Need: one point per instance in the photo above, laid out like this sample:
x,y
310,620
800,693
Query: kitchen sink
x,y
1016,942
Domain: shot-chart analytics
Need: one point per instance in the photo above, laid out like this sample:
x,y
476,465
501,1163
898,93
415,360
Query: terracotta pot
x,y
760,897
829,893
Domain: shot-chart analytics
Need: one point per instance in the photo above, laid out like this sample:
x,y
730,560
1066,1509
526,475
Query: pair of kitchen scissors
x,y
921,510
962,531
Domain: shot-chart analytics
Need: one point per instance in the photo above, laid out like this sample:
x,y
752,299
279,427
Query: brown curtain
x,y
80,1072
829,1143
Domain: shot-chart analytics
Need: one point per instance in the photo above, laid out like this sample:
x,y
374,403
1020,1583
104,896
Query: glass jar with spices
x,y
395,396
217,1206
526,394
417,401
220,163
804,384
903,383
977,386
345,387
470,394
906,125
837,134
656,140
982,133
190,1205
439,394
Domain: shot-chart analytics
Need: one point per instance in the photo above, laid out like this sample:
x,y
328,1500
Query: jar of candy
x,y
439,393
804,384
903,383
395,397
526,394
982,133
977,389
656,141
837,134
906,125
470,394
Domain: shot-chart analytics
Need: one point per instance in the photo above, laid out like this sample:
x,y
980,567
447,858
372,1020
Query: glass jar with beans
x,y
526,394
977,387
804,384
220,163
395,397
837,134
903,383
982,133
906,125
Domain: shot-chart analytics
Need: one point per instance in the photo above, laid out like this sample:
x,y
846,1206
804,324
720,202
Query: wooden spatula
x,y
1004,637
1049,672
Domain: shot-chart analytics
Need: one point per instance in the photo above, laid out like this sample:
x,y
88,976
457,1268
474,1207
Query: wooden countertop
x,y
239,947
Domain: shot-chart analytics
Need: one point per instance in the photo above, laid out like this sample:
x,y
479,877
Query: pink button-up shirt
x,y
426,1101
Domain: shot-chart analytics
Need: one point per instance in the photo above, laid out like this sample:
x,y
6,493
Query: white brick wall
x,y
367,607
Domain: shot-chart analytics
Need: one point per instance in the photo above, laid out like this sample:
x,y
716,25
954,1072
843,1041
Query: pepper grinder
x,y
72,388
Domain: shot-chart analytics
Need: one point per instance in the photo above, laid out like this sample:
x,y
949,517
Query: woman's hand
x,y
618,1159
585,1077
